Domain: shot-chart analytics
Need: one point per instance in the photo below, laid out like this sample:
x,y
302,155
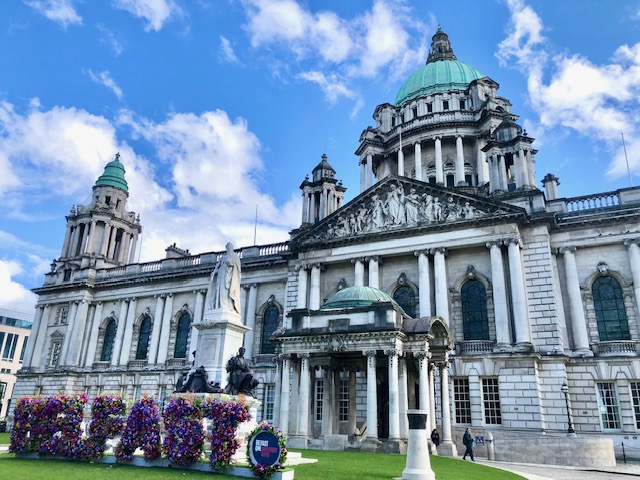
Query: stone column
x,y
128,332
157,327
439,165
530,168
106,236
634,261
285,392
460,180
363,170
423,375
197,318
374,275
578,321
40,342
432,396
494,175
314,294
481,163
404,400
503,331
394,400
250,320
400,162
93,335
418,161
278,392
504,180
418,465
518,296
304,400
67,239
302,286
33,337
369,177
323,203
358,272
69,333
134,245
122,322
372,396
424,284
440,271
447,446
91,237
163,347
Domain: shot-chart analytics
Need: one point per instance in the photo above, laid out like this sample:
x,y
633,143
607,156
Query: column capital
x,y
422,355
417,253
631,241
358,259
283,356
393,352
513,241
568,249
459,135
373,258
494,243
317,265
303,356
369,353
442,250
437,137
444,365
249,285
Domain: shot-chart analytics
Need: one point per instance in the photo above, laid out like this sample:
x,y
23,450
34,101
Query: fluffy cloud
x,y
597,101
13,294
104,78
155,12
59,11
356,48
226,51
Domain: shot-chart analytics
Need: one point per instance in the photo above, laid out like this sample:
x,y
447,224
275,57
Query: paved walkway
x,y
546,472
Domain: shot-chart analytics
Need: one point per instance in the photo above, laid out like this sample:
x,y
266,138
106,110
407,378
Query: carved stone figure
x,y
224,286
240,377
197,381
377,212
411,205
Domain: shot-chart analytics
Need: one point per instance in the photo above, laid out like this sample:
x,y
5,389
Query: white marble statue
x,y
224,285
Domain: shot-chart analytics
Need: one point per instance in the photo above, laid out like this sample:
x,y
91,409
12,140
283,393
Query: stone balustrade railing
x,y
615,348
473,347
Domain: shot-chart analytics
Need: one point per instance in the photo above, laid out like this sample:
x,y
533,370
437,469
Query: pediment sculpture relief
x,y
399,209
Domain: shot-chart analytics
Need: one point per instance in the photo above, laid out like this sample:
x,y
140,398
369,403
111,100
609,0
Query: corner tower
x,y
323,195
102,234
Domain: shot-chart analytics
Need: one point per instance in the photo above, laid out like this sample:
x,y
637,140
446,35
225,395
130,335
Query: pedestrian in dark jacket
x,y
467,439
435,437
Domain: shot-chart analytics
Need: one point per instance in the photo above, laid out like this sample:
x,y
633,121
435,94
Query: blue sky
x,y
219,106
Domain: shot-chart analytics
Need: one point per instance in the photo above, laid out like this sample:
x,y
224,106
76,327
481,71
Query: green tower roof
x,y
356,297
113,175
437,76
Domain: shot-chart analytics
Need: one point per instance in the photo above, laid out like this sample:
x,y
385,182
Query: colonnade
x,y
101,239
319,202
482,168
523,170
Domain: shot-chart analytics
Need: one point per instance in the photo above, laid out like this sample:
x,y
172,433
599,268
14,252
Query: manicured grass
x,y
5,438
331,465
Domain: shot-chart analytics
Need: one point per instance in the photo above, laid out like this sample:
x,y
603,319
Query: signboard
x,y
479,440
264,449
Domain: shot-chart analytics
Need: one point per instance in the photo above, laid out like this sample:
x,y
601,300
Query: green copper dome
x,y
438,76
356,297
113,175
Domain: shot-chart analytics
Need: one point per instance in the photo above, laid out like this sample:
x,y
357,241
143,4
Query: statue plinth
x,y
220,336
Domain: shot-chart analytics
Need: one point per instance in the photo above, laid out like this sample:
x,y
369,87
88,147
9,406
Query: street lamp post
x,y
570,431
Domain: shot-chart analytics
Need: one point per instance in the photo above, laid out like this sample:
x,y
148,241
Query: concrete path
x,y
547,472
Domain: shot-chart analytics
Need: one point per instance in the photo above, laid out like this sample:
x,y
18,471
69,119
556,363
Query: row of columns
x,y
398,395
523,170
366,163
83,238
319,203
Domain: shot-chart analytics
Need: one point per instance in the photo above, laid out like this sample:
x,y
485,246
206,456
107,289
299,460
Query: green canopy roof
x,y
356,297
113,175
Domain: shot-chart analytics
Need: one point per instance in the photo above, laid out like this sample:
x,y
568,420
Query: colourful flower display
x,y
226,416
184,440
106,422
142,430
264,471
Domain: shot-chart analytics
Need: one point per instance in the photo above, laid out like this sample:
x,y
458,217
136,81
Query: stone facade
x,y
493,294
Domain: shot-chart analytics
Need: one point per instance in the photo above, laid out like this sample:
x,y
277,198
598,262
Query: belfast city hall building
x,y
458,281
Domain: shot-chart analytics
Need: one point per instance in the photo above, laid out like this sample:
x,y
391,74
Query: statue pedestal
x,y
220,335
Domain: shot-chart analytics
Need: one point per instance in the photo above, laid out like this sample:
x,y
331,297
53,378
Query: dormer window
x,y
445,105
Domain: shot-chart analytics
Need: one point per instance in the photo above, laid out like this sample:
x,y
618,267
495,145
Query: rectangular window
x,y
445,105
319,399
3,389
608,406
24,348
343,401
429,107
55,353
635,397
393,121
491,401
1,340
137,393
61,315
462,400
415,112
269,402
462,105
10,347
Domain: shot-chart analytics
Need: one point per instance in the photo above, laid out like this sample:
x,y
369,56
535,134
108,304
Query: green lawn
x,y
331,465
4,439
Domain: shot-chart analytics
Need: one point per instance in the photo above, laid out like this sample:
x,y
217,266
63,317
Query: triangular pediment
x,y
402,205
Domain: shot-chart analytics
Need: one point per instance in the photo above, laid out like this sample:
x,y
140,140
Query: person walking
x,y
435,437
467,440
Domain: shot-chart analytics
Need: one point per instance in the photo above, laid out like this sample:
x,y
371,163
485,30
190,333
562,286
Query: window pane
x,y
635,397
343,407
608,405
182,336
611,315
269,401
143,339
491,401
474,311
269,325
319,399
24,348
406,298
462,400
109,337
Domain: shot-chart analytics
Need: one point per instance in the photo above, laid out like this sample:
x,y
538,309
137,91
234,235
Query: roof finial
x,y
118,157
440,47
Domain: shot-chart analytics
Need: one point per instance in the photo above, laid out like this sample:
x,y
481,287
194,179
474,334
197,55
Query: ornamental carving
x,y
335,344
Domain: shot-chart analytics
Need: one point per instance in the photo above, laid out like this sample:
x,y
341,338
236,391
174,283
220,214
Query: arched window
x,y
109,337
475,323
406,298
182,336
269,325
143,339
611,315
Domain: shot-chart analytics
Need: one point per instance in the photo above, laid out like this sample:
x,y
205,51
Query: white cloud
x,y
60,11
348,48
570,91
12,293
109,38
155,12
226,51
104,78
